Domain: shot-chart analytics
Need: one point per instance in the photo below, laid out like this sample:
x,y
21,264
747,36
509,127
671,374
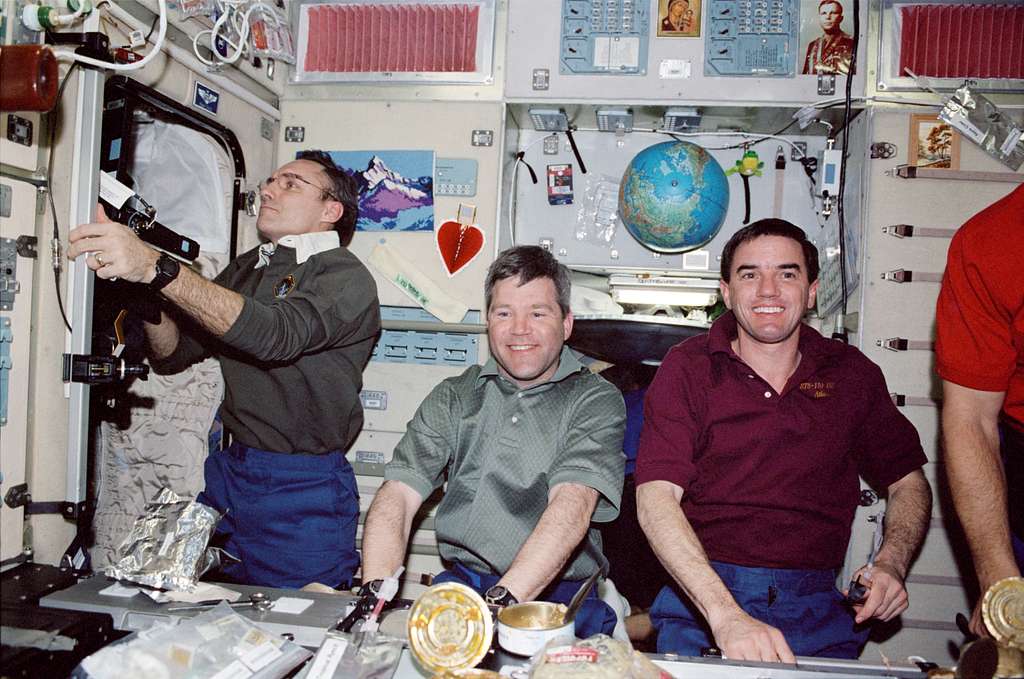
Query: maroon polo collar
x,y
814,349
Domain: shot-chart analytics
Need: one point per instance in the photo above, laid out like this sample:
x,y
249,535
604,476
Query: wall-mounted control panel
x,y
604,36
752,38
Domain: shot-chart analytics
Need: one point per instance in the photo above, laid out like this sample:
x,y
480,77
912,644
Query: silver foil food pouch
x,y
166,547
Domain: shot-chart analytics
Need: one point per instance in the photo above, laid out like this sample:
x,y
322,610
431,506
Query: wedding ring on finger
x,y
98,256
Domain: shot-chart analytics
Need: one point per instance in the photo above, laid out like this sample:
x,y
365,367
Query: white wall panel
x,y
406,385
395,125
942,577
533,42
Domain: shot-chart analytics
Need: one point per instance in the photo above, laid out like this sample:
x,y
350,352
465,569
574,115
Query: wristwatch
x,y
499,595
371,587
167,269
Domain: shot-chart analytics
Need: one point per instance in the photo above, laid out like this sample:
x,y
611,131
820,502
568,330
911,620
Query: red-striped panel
x,y
373,37
963,40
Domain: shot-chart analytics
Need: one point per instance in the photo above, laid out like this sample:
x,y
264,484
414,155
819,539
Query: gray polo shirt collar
x,y
568,364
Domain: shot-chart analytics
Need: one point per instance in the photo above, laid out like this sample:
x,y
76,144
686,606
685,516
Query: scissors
x,y
858,591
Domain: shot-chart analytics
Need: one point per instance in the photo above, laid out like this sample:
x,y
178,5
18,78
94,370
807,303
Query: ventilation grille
x,y
962,41
394,41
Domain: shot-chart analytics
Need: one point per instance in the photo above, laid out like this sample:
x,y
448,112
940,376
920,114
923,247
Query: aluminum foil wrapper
x,y
166,548
982,122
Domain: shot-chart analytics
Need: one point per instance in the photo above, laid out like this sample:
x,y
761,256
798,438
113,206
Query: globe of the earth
x,y
673,197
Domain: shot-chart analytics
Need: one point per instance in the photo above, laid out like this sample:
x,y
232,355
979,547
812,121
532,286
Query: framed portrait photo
x,y
826,37
679,18
933,143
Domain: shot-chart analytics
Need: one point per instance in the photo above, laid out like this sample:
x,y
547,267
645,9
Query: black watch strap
x,y
499,595
167,269
371,587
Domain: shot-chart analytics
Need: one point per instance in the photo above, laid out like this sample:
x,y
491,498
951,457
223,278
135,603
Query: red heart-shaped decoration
x,y
458,244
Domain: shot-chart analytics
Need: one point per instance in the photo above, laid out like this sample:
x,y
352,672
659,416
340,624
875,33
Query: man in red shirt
x,y
747,478
980,358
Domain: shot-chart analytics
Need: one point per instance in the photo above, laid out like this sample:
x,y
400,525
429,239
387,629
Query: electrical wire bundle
x,y
241,26
69,20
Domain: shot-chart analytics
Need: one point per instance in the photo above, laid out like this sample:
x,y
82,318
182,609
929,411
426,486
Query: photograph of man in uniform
x,y
831,51
679,18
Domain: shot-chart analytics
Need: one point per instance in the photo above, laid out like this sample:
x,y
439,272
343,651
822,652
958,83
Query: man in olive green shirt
x,y
531,447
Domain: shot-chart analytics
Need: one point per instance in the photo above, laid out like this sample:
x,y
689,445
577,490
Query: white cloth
x,y
419,287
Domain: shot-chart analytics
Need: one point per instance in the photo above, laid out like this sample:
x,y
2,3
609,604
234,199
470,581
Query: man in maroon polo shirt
x,y
747,478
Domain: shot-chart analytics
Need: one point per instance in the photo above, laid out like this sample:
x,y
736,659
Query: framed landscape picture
x,y
933,143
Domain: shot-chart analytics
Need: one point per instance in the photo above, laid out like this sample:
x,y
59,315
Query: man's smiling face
x,y
768,290
526,330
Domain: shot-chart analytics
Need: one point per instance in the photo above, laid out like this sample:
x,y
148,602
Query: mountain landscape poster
x,y
396,188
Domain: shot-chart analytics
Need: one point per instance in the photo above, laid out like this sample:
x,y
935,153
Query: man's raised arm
x,y
739,636
114,251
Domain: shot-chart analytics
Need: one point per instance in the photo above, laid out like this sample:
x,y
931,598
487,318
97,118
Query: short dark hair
x,y
771,227
529,262
830,2
343,188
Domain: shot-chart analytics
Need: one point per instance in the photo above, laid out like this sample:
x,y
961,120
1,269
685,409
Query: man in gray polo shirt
x,y
531,447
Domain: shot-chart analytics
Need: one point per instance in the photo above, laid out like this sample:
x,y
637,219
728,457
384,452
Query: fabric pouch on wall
x,y
164,153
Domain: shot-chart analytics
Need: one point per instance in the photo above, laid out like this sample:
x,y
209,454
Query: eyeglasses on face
x,y
292,183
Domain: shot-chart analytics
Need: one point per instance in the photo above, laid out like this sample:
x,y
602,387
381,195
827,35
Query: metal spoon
x,y
579,596
258,600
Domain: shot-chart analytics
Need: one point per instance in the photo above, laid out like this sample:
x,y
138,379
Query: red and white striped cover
x,y
372,37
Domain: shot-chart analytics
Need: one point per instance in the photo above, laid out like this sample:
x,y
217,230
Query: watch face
x,y
500,595
167,269
371,587
168,266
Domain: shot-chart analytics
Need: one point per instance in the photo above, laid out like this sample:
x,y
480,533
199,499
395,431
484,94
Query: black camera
x,y
140,217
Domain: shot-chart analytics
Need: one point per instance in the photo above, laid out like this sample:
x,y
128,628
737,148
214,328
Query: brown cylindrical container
x,y
29,77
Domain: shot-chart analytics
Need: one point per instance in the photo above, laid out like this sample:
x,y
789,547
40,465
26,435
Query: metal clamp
x,y
904,344
909,231
901,400
908,276
27,246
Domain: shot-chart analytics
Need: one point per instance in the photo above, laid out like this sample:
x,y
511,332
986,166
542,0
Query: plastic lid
x,y
450,628
1003,611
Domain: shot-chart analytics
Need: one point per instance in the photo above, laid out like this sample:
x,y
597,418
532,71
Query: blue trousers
x,y
291,519
803,604
594,616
